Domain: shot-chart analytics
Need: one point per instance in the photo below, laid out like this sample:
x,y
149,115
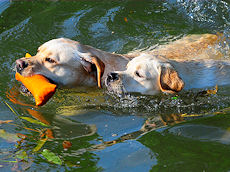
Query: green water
x,y
109,133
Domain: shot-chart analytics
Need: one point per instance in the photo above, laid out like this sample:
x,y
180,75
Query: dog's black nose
x,y
20,65
112,77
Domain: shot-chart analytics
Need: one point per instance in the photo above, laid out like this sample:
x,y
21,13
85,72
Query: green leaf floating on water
x,y
40,144
51,157
21,154
33,121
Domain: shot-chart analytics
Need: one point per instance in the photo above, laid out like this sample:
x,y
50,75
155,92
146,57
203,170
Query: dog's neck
x,y
203,73
114,62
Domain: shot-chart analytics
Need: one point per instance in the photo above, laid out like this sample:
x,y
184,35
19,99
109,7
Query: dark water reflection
x,y
108,133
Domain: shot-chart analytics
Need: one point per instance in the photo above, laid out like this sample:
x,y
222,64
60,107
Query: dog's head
x,y
67,63
147,75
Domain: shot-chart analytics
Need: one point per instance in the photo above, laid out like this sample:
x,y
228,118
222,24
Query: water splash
x,y
206,14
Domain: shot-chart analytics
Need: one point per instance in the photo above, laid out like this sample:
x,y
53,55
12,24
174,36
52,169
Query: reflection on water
x,y
125,154
107,132
4,5
203,133
197,146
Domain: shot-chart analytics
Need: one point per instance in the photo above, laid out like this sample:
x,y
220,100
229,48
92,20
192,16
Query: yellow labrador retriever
x,y
149,75
69,63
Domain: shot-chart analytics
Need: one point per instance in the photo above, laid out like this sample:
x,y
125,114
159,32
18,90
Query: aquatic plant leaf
x,y
40,144
11,108
190,115
66,144
51,157
49,133
5,122
10,137
22,136
21,154
33,121
9,161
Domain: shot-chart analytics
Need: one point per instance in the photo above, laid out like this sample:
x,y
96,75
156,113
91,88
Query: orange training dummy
x,y
39,86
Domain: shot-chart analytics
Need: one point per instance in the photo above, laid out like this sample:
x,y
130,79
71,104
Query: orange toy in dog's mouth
x,y
39,86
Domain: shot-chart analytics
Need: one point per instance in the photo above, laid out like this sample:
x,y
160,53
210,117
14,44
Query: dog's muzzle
x,y
111,77
20,65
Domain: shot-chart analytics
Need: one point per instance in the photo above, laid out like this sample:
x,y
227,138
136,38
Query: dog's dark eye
x,y
138,74
47,59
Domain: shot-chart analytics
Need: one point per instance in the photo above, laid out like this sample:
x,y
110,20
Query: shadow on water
x,y
89,129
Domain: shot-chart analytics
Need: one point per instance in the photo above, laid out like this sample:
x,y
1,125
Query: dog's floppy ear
x,y
169,80
100,69
89,63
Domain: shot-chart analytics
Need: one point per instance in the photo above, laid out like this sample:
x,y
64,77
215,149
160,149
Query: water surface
x,y
190,132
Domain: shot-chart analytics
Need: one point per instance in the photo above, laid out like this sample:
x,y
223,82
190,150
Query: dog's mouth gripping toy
x,y
39,86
